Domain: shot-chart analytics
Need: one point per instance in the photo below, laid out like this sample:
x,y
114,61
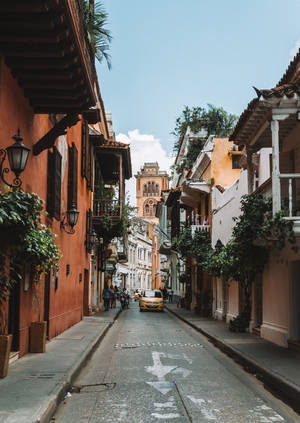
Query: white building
x,y
139,256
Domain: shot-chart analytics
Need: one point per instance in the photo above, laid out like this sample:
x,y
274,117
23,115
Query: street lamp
x,y
17,156
72,218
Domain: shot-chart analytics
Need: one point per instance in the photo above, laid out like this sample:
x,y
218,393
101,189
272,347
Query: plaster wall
x,y
66,297
221,163
276,296
225,206
233,300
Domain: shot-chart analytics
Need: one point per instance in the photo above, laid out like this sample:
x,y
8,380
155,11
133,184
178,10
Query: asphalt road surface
x,y
151,367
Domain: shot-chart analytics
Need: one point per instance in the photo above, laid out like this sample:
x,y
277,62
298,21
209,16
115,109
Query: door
x,y
47,301
294,309
14,316
258,301
86,293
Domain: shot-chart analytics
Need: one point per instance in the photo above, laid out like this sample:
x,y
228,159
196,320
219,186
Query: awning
x,y
192,192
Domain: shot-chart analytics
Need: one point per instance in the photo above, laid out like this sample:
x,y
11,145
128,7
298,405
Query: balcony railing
x,y
290,195
195,228
110,208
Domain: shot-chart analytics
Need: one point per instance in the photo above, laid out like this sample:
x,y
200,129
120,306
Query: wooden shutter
x,y
86,156
57,183
50,178
54,184
72,176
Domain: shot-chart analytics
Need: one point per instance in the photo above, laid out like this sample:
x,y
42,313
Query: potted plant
x,y
38,329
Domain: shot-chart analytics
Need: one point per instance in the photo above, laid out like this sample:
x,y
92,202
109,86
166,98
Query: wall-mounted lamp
x,y
219,245
72,218
93,237
17,157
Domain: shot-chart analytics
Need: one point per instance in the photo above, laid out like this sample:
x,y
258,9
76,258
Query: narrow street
x,y
151,367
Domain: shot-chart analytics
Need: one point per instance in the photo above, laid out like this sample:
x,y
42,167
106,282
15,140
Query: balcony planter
x,y
5,345
38,331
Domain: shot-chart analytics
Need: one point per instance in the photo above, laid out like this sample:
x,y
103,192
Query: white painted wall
x,y
226,206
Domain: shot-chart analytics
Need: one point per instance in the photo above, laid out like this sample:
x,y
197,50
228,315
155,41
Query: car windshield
x,y
152,294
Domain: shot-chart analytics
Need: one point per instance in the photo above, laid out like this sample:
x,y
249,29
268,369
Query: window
x,y
236,161
152,294
147,210
72,176
86,155
157,190
54,183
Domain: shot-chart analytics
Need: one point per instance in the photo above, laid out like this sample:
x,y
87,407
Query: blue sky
x,y
170,53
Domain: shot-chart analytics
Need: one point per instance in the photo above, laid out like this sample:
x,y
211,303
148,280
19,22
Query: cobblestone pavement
x,y
151,367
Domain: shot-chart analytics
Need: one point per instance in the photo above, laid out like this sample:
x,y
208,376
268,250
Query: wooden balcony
x,y
106,212
45,45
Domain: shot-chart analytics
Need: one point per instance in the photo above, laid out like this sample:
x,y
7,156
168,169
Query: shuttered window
x,y
72,176
86,155
54,183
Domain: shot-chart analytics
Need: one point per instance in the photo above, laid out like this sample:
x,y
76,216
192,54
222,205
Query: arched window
x,y
147,210
149,188
144,190
157,189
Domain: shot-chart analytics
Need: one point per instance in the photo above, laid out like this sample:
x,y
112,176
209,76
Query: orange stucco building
x,y
150,181
49,90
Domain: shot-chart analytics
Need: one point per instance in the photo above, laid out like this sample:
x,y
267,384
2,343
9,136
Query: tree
x,y
214,119
95,18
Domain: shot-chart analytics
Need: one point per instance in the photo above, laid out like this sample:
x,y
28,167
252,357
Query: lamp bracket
x,y
63,224
17,181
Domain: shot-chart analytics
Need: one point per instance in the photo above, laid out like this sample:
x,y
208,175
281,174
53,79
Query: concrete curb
x,y
288,391
48,410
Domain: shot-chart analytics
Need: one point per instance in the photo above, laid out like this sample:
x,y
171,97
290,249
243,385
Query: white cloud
x,y
295,49
143,148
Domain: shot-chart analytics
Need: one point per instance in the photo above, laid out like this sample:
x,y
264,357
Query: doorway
x,y
47,301
294,309
86,293
14,316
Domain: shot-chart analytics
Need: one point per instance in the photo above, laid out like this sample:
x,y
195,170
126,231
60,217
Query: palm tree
x,y
95,18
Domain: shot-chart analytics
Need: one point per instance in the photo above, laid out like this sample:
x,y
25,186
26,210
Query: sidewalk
x,y
277,367
37,382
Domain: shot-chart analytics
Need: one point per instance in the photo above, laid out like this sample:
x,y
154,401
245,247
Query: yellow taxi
x,y
151,300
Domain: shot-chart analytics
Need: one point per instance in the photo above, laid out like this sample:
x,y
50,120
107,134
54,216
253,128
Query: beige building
x,y
150,181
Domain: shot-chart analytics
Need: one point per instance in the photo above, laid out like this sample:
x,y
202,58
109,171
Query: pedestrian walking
x,y
106,297
171,293
112,296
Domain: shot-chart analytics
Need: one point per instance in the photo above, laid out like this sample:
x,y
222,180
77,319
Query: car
x,y
152,300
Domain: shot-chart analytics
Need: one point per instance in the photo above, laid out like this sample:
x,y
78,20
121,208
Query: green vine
x,y
23,239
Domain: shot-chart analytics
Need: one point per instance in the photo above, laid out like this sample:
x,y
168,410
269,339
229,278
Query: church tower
x,y
150,181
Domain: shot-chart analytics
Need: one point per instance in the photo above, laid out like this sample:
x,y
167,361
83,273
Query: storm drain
x,y
156,344
40,376
93,387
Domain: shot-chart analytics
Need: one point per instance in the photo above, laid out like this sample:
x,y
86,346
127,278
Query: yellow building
x,y
150,181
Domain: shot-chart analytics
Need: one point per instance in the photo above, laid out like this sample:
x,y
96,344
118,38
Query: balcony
x,y
106,211
45,45
195,228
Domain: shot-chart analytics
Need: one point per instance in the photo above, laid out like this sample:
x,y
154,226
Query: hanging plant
x,y
23,239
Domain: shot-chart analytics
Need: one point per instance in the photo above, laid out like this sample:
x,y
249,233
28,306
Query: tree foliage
x,y
95,19
215,120
255,233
